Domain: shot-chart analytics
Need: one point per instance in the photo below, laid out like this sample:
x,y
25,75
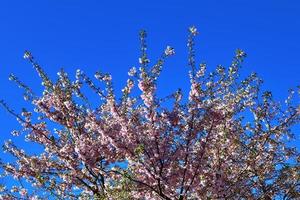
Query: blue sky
x,y
93,35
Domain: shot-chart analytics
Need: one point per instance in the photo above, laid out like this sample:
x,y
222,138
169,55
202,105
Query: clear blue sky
x,y
96,34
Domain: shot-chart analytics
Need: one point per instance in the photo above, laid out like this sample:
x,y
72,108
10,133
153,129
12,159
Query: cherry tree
x,y
226,140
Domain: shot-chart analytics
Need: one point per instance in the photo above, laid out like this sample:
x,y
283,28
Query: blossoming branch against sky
x,y
104,36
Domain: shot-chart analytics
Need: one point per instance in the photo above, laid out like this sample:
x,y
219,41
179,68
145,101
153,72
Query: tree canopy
x,y
226,140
